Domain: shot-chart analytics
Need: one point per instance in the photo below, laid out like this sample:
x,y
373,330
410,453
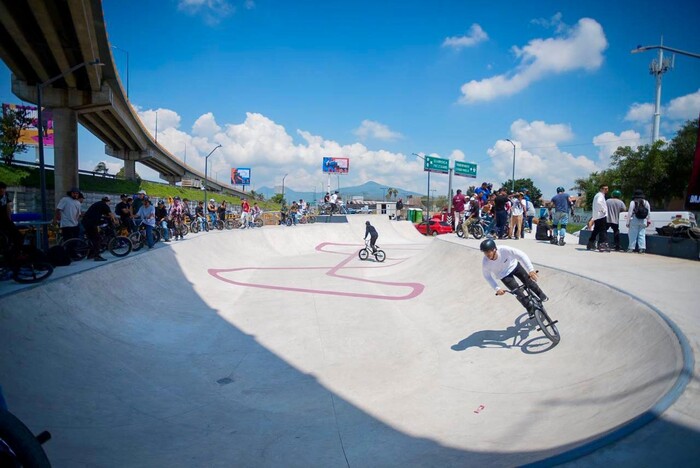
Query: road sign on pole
x,y
465,169
433,164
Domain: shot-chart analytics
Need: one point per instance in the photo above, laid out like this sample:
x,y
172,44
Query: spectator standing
x,y
499,207
68,214
516,216
7,227
637,222
147,213
177,216
600,222
399,209
92,219
458,202
162,220
529,213
245,213
482,193
615,207
221,211
562,203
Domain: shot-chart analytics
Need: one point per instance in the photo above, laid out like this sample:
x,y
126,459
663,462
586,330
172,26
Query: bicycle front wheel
x,y
120,246
312,219
459,231
258,222
77,249
363,254
546,324
32,272
380,256
137,240
219,225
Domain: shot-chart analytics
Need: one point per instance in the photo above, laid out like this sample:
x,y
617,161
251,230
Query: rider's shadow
x,y
511,337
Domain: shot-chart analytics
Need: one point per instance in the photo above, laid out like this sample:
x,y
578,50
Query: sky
x,y
282,84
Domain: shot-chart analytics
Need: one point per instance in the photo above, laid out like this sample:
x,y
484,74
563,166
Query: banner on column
x,y
30,134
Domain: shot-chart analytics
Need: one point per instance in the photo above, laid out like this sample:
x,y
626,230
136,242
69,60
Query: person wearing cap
x,y
245,214
147,213
637,222
211,211
123,211
472,214
562,206
177,216
162,220
615,207
68,214
138,201
93,218
600,221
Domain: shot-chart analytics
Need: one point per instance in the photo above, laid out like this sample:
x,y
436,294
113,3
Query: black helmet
x,y
367,223
560,190
487,245
176,198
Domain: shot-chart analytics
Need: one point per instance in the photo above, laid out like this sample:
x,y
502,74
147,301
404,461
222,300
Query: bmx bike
x,y
545,324
364,253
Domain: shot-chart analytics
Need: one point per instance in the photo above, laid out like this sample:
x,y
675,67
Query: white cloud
x,y
608,143
474,36
579,47
640,113
213,11
376,130
684,107
553,22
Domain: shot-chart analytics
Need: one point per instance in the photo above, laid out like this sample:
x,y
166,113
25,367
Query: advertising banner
x,y
30,135
240,176
336,165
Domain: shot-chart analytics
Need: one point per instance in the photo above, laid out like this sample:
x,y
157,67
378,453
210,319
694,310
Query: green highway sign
x,y
433,164
465,169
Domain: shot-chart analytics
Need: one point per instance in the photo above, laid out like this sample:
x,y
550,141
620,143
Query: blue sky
x,y
282,84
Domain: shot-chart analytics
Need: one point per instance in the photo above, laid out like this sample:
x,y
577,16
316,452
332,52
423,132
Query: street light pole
x,y
40,127
285,176
658,68
206,163
127,68
512,183
427,221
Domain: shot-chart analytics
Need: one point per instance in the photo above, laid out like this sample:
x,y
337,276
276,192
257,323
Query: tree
x,y
277,198
101,167
522,184
392,192
12,123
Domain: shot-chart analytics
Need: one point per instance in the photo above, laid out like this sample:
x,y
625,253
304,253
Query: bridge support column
x,y
171,179
130,169
65,150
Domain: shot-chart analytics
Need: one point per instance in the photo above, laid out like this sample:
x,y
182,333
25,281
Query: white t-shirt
x,y
147,214
600,207
70,211
334,198
506,261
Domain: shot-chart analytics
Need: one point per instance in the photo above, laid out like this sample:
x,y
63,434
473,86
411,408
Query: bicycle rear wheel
x,y
194,227
137,240
32,272
363,254
77,249
312,219
259,222
219,225
120,246
380,256
546,324
477,231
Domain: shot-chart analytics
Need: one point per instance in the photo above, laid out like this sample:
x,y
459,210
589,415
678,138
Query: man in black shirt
x,y
7,227
123,211
499,206
93,218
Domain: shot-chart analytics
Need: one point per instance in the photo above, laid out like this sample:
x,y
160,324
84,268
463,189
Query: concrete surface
x,y
279,347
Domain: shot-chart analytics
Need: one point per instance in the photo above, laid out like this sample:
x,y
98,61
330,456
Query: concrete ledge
x,y
660,245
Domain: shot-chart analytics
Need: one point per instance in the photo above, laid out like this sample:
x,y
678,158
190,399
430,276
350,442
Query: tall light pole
x,y
206,164
427,221
657,68
512,184
127,68
40,126
285,176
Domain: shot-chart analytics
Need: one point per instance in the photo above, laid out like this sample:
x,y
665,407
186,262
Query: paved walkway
x,y
279,347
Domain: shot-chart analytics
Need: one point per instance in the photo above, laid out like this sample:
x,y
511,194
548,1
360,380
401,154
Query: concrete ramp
x,y
279,347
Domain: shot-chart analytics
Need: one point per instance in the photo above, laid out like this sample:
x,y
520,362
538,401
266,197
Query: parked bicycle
x,y
379,255
78,248
545,324
475,229
138,238
22,265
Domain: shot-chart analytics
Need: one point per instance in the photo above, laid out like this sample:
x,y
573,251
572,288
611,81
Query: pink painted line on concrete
x,y
416,288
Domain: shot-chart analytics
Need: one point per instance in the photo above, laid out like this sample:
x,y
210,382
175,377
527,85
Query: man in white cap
x,y
138,202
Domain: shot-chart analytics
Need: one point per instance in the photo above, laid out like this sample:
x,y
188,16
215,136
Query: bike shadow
x,y
515,336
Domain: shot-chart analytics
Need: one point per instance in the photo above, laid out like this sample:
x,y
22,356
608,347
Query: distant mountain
x,y
369,191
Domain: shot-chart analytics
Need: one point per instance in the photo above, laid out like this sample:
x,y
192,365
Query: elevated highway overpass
x,y
42,39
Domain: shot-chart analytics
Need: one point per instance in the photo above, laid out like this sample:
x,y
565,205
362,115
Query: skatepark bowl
x,y
280,347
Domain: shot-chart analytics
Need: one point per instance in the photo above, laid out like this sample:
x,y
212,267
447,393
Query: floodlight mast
x,y
657,68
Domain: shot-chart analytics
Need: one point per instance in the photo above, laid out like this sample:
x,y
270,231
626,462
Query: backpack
x,y
58,256
640,209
